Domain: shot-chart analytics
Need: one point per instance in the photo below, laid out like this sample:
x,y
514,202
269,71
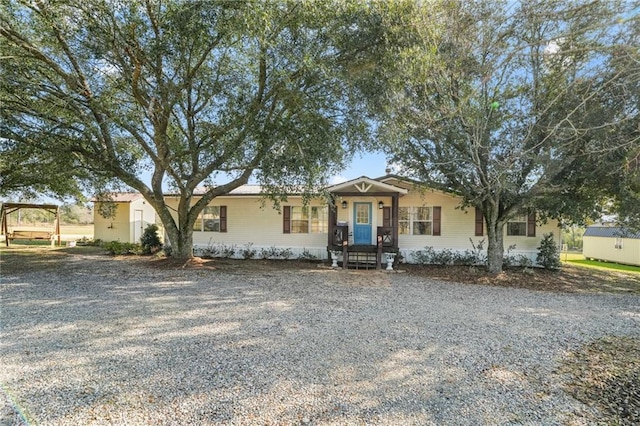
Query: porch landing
x,y
362,256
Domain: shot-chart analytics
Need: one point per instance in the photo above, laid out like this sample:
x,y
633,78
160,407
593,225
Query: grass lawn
x,y
579,260
84,230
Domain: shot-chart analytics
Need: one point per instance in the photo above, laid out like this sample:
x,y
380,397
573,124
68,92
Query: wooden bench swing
x,y
20,234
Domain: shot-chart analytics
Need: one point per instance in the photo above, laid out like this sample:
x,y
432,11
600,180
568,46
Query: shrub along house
x,y
402,216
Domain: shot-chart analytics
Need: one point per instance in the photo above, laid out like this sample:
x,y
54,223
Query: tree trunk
x,y
179,235
495,249
181,242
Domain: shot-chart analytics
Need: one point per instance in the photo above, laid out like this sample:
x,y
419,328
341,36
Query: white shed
x,y
612,244
132,215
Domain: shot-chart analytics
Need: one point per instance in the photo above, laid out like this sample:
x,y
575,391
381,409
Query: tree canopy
x,y
197,94
515,106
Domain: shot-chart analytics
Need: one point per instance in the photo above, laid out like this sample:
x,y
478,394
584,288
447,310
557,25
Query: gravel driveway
x,y
95,340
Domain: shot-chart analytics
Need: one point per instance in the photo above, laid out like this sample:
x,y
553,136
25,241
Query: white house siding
x,y
121,227
604,248
112,229
458,228
250,220
148,217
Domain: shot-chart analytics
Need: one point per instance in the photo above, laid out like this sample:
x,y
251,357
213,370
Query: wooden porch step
x,y
362,260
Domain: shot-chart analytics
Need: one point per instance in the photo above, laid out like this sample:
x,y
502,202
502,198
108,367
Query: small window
x,y
319,220
305,220
416,221
299,220
209,220
422,221
517,226
403,220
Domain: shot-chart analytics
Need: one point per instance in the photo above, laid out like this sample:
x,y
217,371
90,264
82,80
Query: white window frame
x,y
309,220
521,221
199,224
412,217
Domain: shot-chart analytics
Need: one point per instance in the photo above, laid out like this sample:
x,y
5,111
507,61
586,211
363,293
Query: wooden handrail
x,y
338,234
386,233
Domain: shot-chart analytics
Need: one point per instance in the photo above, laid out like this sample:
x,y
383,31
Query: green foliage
x,y
219,250
431,256
605,265
75,214
572,237
228,252
118,248
269,253
286,253
306,255
511,105
200,94
548,253
31,216
28,173
248,252
475,257
107,209
84,241
274,252
150,240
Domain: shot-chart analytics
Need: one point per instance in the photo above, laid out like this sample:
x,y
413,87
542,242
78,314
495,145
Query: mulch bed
x,y
570,279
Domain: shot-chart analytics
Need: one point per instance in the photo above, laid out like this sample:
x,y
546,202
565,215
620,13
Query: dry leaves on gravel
x,y
606,374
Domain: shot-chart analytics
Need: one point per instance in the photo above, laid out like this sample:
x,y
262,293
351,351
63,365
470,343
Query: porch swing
x,y
29,233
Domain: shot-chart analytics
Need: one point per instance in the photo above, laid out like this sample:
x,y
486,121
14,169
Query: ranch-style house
x,y
389,214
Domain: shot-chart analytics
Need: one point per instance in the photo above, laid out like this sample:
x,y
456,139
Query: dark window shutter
x,y
386,217
437,214
531,225
479,223
286,219
223,218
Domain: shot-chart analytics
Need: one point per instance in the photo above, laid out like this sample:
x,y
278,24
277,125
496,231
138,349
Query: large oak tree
x,y
194,94
515,106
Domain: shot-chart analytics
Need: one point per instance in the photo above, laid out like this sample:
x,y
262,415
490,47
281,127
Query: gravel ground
x,y
96,340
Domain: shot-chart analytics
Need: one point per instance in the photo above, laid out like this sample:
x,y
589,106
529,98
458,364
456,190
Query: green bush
x,y
306,255
248,252
548,254
118,248
150,240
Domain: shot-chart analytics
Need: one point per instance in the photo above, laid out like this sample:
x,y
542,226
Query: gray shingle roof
x,y
611,232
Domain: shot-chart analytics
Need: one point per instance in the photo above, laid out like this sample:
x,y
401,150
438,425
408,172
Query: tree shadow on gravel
x,y
122,342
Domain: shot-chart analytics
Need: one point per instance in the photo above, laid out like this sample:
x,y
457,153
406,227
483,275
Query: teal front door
x,y
362,223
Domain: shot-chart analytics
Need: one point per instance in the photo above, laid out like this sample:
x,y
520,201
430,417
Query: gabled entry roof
x,y
365,185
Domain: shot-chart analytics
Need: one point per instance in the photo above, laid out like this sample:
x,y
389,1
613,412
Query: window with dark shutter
x,y
479,223
531,225
286,219
223,218
386,217
437,213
